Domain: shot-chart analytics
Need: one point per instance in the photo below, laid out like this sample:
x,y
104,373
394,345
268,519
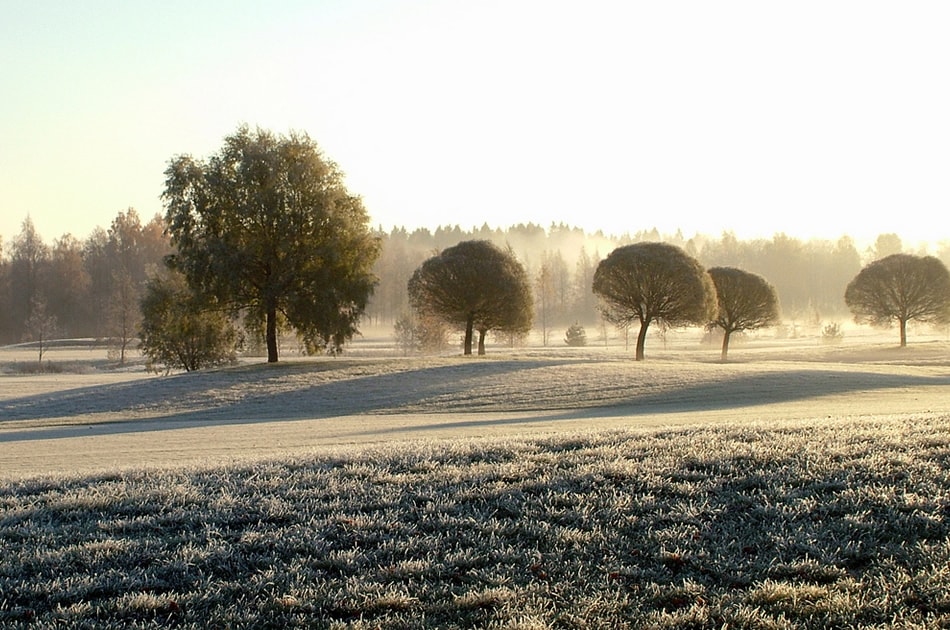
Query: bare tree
x,y
41,326
746,302
123,315
654,282
900,287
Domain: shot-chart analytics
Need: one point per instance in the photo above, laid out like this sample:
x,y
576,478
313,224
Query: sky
x,y
815,119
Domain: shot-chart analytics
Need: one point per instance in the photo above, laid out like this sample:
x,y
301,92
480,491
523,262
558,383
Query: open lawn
x,y
797,486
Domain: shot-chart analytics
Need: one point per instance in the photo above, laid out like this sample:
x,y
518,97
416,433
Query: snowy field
x,y
92,417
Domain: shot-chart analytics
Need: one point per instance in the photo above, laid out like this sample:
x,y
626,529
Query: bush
x,y
832,333
422,333
182,331
575,335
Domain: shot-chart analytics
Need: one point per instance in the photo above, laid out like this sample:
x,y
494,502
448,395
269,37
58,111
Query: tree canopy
x,y
474,285
901,288
654,282
746,302
267,224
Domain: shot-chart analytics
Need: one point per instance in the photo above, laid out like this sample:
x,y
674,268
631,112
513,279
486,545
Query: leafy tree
x,y
654,282
29,259
181,330
900,287
268,225
132,250
477,286
67,284
746,302
97,265
886,245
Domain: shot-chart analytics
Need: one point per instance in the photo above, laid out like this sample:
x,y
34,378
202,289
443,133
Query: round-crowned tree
x,y
654,282
474,285
900,288
746,302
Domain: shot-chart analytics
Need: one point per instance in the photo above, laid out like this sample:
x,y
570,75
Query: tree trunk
x,y
469,328
642,339
271,333
725,344
903,333
481,343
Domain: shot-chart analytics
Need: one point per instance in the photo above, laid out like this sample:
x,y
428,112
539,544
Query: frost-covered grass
x,y
819,524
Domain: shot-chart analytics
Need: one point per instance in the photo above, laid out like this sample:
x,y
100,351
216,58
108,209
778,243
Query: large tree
x,y
654,282
267,224
746,302
900,287
474,285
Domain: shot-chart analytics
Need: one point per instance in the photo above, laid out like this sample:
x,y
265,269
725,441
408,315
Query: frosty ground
x,y
798,485
89,419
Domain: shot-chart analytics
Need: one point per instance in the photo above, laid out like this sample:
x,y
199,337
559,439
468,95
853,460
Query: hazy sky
x,y
813,118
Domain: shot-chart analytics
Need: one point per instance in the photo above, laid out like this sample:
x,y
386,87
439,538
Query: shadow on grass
x,y
328,389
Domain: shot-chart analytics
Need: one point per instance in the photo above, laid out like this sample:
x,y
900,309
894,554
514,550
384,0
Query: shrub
x,y
832,333
182,331
575,335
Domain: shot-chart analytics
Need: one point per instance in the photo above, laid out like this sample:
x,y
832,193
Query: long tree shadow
x,y
333,389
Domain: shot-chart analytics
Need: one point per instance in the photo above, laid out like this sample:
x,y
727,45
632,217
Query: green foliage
x,y
267,225
575,335
474,285
901,288
181,330
654,282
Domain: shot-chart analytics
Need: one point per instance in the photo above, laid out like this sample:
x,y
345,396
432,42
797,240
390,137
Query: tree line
x,y
265,234
72,288
92,288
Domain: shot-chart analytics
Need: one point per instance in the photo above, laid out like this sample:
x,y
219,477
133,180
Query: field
x,y
796,486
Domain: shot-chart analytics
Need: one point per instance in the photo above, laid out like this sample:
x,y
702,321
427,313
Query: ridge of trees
x,y
82,284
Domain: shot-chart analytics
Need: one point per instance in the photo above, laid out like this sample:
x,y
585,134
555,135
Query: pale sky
x,y
812,118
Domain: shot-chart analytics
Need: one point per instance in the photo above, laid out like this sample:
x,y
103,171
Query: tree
x,y
900,287
886,245
41,326
183,330
552,290
654,282
267,224
746,302
29,260
477,286
123,314
67,284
